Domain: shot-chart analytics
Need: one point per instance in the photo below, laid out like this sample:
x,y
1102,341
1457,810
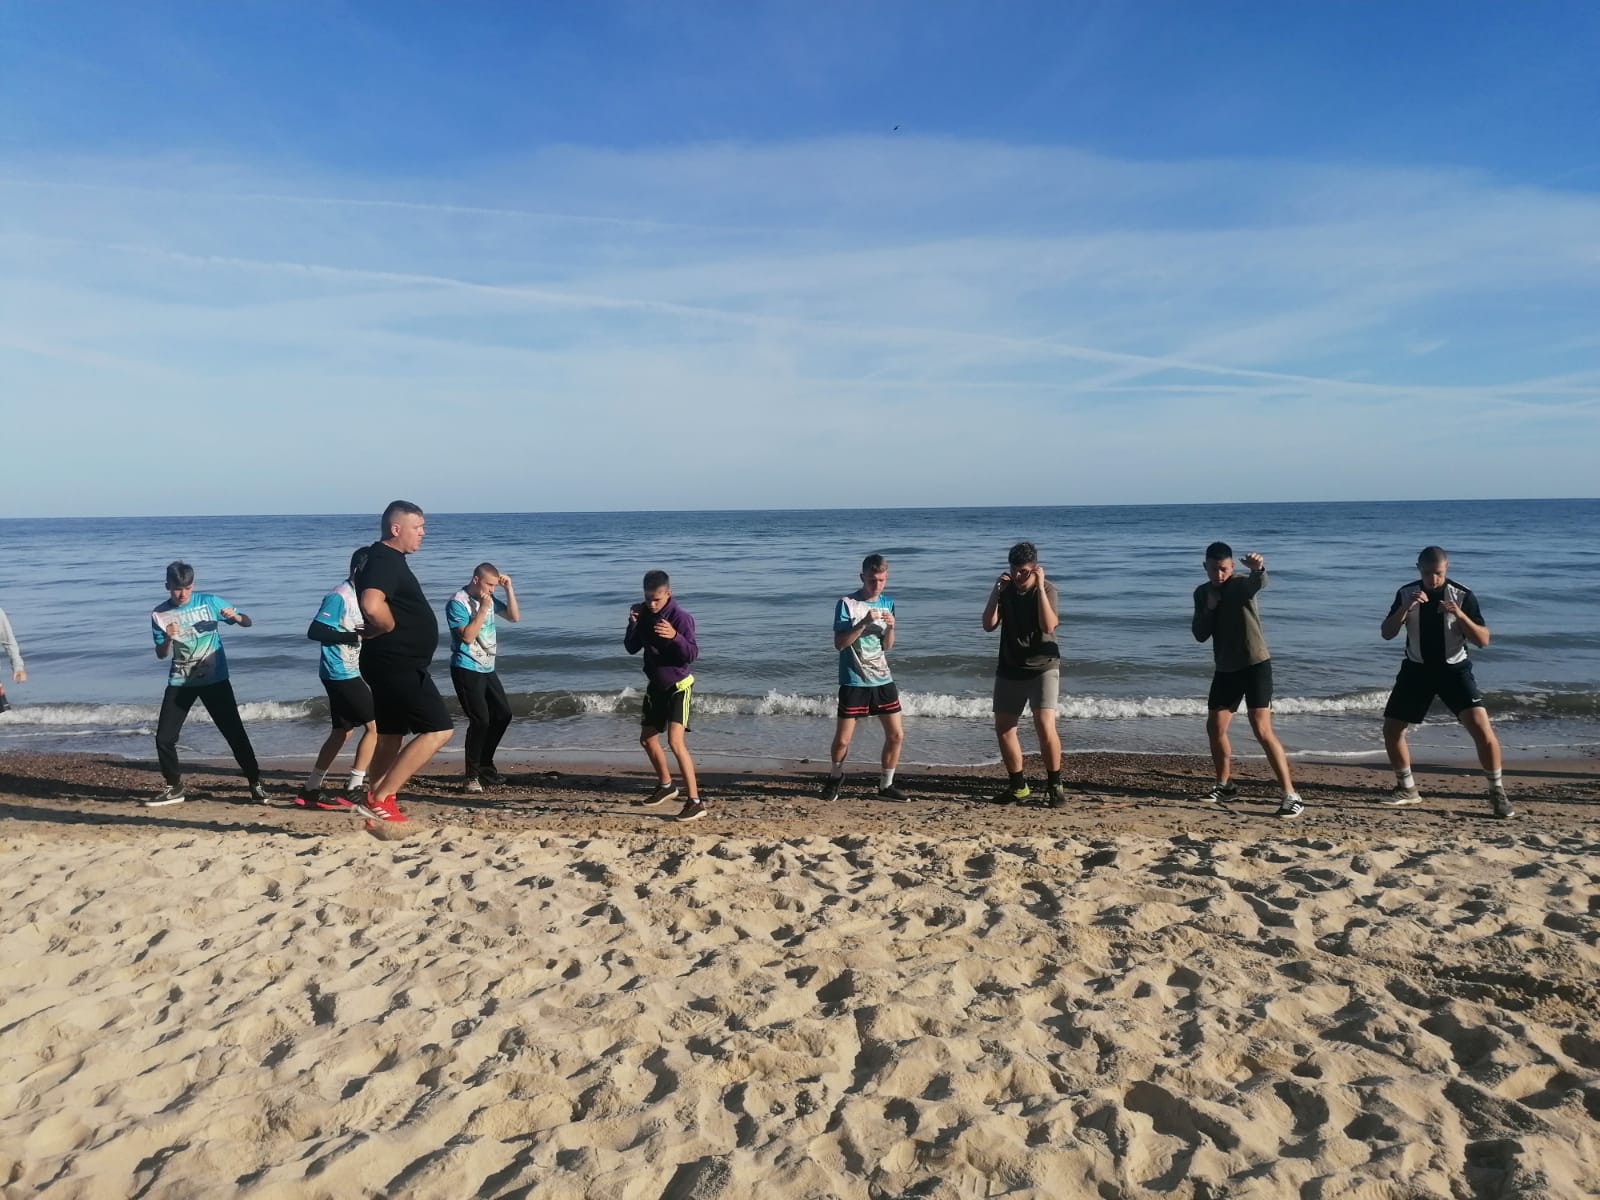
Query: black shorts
x,y
856,702
349,702
1418,683
666,706
405,700
1253,685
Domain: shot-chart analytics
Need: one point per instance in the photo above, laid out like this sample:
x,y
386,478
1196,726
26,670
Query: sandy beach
x,y
548,992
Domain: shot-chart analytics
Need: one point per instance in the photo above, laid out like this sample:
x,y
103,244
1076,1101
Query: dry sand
x,y
564,996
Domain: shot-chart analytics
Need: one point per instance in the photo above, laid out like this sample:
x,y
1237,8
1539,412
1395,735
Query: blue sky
x,y
273,257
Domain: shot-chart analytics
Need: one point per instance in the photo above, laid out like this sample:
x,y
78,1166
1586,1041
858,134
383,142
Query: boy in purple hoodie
x,y
665,632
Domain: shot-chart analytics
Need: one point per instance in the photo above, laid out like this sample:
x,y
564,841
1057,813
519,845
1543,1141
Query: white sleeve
x,y
9,641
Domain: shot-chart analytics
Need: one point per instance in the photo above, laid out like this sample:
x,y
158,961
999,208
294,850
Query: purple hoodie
x,y
666,660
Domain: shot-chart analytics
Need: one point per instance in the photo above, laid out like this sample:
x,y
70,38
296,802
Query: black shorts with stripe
x,y
1418,683
856,702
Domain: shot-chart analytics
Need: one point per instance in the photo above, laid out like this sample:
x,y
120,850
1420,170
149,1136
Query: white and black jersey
x,y
1433,636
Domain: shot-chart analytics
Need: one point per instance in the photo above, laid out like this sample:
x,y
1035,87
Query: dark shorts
x,y
405,700
1253,685
879,701
349,702
1418,683
666,706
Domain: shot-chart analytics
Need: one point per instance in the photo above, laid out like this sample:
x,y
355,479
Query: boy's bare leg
x,y
680,751
1261,726
1217,722
651,741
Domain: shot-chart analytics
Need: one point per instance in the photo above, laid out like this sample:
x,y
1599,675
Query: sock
x,y
886,778
1290,796
1053,778
1019,781
1494,778
1405,778
837,770
358,780
315,778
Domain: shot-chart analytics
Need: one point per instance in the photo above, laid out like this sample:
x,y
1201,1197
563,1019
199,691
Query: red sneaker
x,y
379,810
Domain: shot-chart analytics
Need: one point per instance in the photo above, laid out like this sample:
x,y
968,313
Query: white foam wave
x,y
102,716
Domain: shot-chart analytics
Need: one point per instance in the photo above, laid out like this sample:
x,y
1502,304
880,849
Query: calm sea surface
x,y
762,585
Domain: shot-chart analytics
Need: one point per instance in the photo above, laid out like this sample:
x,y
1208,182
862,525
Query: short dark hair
x,y
486,568
179,575
358,560
1022,554
656,579
873,562
1218,551
397,508
1433,555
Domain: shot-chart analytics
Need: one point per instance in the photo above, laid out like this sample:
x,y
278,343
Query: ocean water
x,y
762,586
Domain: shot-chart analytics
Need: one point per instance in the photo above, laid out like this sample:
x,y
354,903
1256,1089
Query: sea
x,y
762,587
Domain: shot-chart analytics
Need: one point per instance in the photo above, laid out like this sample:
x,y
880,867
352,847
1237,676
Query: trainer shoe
x,y
1222,791
893,794
1292,806
387,809
1011,795
331,802
1400,795
258,793
472,787
173,793
832,787
1055,796
311,797
491,777
1500,803
663,793
693,810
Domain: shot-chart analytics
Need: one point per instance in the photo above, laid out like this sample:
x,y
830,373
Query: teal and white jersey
x,y
478,654
342,611
197,657
863,662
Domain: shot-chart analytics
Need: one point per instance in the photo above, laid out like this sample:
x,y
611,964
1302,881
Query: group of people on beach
x,y
379,634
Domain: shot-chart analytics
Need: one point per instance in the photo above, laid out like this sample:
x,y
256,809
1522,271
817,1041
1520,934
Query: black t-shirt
x,y
415,635
1026,649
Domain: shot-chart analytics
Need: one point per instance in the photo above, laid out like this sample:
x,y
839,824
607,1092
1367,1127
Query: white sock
x,y
1290,796
315,778
1494,778
886,778
358,780
1405,778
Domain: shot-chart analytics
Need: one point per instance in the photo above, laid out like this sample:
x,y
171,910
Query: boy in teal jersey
x,y
470,614
863,634
337,626
184,628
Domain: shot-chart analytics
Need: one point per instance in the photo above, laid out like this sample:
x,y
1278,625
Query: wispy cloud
x,y
751,320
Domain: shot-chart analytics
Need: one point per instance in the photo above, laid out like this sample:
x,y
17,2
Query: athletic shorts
x,y
1418,683
349,702
667,706
1252,684
1042,691
878,701
405,700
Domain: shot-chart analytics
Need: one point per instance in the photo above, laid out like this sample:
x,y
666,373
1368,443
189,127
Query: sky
x,y
273,257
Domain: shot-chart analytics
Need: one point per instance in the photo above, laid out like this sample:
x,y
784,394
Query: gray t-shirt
x,y
1234,626
1026,649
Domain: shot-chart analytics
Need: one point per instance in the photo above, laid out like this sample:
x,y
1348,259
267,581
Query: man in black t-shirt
x,y
400,636
1022,606
1440,619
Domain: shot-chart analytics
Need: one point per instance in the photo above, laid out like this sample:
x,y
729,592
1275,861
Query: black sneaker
x,y
893,794
258,793
663,793
1055,796
173,793
693,810
1291,807
491,777
1011,795
1222,791
1500,803
472,786
311,797
831,788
